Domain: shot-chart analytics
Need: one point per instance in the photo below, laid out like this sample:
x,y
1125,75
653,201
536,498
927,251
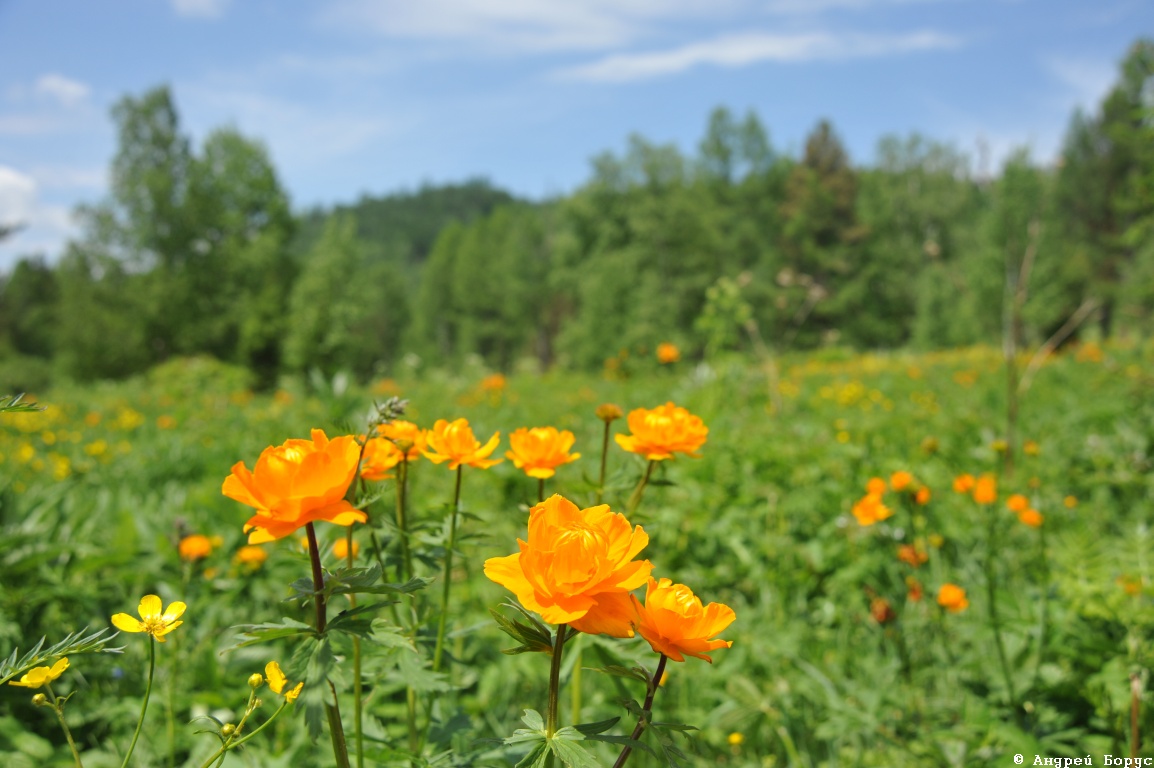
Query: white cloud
x,y
751,48
520,25
67,92
200,9
1086,81
44,228
17,196
813,7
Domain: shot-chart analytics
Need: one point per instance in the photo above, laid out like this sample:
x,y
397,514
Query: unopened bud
x,y
255,680
227,729
608,412
403,444
258,703
40,700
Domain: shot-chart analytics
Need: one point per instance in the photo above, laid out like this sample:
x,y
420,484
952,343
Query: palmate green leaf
x,y
316,693
411,671
253,634
353,620
565,745
359,581
532,639
75,644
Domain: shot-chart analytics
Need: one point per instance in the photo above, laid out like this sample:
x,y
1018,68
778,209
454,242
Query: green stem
x,y
1044,618
992,606
219,755
635,499
540,489
604,455
445,589
58,708
406,555
555,682
333,710
643,721
147,694
575,689
358,689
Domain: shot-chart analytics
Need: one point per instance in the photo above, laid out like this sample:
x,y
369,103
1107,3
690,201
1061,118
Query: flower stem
x,y
402,482
232,743
445,589
604,455
333,710
992,607
555,682
358,690
540,489
635,498
147,694
643,721
58,708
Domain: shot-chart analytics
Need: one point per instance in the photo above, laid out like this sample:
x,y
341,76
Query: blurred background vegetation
x,y
197,251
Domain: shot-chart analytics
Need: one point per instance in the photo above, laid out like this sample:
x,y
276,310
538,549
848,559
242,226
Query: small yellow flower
x,y
341,549
735,739
41,676
1070,502
152,620
277,681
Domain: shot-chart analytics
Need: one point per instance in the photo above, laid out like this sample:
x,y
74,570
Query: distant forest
x,y
197,251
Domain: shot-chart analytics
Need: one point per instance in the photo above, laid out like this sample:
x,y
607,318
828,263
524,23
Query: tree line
x,y
196,251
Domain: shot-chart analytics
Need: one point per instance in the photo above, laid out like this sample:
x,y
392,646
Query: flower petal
x,y
150,607
126,623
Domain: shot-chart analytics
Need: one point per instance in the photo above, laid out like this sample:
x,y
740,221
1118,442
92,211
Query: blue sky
x,y
371,96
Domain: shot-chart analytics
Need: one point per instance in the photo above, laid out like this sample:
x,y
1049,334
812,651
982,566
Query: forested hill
x,y
735,247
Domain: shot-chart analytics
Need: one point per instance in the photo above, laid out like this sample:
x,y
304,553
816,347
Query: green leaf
x,y
351,621
565,746
252,634
589,729
533,719
531,638
634,673
315,694
75,644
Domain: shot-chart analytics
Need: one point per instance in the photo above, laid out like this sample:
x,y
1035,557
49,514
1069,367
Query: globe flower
x,y
1018,503
964,483
876,486
577,567
659,433
668,353
674,622
41,676
901,480
953,598
277,681
380,455
454,442
1030,517
869,509
609,412
297,483
912,555
195,547
986,490
341,549
881,610
251,555
922,496
407,436
540,450
152,620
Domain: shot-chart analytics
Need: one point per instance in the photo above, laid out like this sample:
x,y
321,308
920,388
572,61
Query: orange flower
x,y
1031,448
1031,517
659,433
454,442
380,456
869,510
911,555
1018,503
953,598
915,593
407,436
493,383
577,567
876,487
922,496
297,483
963,483
668,353
251,555
986,490
901,480
195,547
540,450
341,549
674,622
881,610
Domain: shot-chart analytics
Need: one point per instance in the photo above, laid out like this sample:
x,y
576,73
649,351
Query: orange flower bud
x,y
195,547
1018,503
1031,517
876,486
953,598
608,412
963,483
901,480
668,353
881,610
986,490
922,496
911,555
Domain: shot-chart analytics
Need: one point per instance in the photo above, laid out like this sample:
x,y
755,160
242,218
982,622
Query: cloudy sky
x,y
372,96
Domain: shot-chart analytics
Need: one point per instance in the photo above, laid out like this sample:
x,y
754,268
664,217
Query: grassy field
x,y
841,654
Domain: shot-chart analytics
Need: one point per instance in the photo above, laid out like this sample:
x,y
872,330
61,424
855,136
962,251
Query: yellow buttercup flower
x,y
152,620
41,676
277,681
